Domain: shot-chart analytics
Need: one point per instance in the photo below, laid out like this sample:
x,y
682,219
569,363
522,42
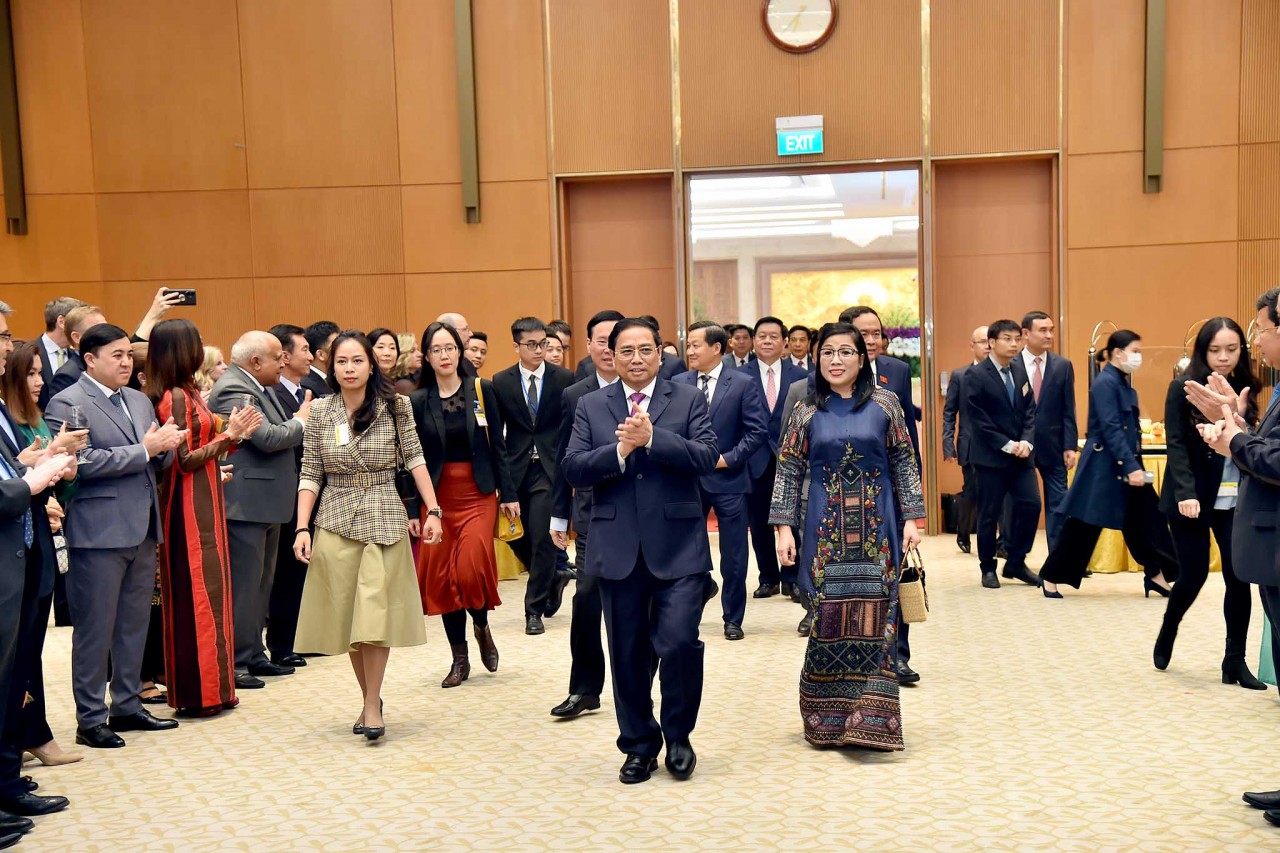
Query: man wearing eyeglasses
x,y
529,395
641,445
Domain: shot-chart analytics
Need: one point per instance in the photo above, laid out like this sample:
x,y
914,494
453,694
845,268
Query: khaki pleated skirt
x,y
359,593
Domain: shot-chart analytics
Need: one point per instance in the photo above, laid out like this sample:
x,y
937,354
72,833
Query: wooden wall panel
x,y
164,95
320,102
62,243
48,48
224,311
1259,71
611,83
865,82
1259,191
352,301
513,234
1104,87
150,236
426,92
1105,205
28,300
489,300
1258,272
729,98
333,231
1202,76
994,75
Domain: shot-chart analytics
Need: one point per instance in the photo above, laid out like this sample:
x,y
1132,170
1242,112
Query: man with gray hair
x,y
54,344
260,497
466,369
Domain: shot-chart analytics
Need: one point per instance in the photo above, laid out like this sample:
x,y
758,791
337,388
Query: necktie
x,y
771,389
28,528
1037,376
117,399
301,394
636,399
533,396
706,386
1008,384
62,357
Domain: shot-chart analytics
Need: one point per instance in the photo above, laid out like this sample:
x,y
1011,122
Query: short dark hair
x,y
999,327
715,334
730,328
525,326
319,332
608,316
651,320
480,336
1033,316
98,336
633,323
768,320
59,307
1269,301
285,333
808,333
559,327
848,315
381,332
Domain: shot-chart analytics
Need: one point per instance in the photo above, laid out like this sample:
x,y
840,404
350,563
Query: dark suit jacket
x,y
489,466
789,375
1099,493
568,502
65,377
953,447
895,376
290,404
524,433
1193,471
741,424
1056,430
47,371
655,500
316,384
994,422
39,515
1255,548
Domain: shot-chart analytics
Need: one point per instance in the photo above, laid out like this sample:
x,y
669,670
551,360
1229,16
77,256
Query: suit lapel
x,y
435,406
116,416
725,382
522,395
661,396
619,405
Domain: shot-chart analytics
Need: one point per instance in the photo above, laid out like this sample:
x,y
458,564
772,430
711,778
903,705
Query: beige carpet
x,y
1039,725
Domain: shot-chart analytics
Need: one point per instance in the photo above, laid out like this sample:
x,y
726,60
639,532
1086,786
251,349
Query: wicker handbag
x,y
913,598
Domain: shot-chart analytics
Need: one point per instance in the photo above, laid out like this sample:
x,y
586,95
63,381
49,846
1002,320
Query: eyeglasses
x,y
845,353
448,349
629,353
1259,331
534,346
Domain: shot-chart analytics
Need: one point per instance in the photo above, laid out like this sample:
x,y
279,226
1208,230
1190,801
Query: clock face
x,y
799,25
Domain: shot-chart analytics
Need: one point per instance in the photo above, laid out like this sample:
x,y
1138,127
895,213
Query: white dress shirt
x,y
51,351
802,363
537,375
643,405
290,386
1029,361
714,373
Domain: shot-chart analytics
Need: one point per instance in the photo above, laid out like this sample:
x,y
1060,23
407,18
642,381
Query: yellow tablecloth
x,y
1111,555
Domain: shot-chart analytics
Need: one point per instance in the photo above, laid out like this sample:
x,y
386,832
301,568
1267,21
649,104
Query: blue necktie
x,y
28,527
1008,384
1275,397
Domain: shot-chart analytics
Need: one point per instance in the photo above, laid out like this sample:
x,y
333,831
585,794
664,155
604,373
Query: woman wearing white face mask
x,y
1110,489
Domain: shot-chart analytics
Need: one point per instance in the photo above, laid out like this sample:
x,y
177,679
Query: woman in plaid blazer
x,y
361,594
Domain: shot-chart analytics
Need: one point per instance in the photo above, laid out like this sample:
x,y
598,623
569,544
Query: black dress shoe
x,y
733,632
766,590
29,785
1001,553
805,628
142,721
269,668
575,705
556,597
10,824
907,675
990,581
1272,817
1021,573
710,591
99,737
533,625
245,681
637,768
33,805
1263,800
289,660
681,760
786,589
964,544
10,839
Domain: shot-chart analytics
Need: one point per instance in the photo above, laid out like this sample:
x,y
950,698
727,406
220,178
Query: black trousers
x,y
1191,544
286,595
25,663
153,651
586,672
763,542
1146,534
535,549
1018,484
33,721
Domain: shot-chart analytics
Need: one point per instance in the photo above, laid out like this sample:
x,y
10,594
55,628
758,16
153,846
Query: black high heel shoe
x,y
1047,594
1149,586
1162,654
1236,671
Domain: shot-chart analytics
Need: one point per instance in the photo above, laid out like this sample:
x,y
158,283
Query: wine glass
x,y
245,401
77,420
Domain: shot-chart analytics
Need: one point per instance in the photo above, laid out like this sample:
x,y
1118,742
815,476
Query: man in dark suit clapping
x,y
1001,409
1053,384
741,425
641,446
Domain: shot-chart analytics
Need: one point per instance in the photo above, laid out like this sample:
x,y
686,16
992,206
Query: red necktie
x,y
1036,378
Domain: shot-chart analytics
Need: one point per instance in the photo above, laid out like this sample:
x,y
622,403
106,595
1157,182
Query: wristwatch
x,y
436,511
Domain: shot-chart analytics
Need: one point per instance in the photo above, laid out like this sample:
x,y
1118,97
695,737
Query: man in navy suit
x,y
1001,409
641,446
775,375
741,425
1053,384
956,439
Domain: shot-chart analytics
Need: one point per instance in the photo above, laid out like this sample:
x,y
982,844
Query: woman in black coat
x,y
1199,497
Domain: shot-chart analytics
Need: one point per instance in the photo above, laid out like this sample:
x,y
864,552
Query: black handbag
x,y
406,488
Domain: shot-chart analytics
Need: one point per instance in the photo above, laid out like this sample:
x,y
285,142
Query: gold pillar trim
x,y
468,138
1153,100
679,208
928,391
560,296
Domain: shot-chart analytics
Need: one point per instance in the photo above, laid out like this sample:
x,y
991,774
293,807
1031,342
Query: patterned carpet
x,y
1039,725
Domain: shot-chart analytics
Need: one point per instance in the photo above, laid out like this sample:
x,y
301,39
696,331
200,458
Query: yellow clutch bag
x,y
506,529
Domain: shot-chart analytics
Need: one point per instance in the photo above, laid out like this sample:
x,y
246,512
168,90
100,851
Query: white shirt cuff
x,y
559,525
622,462
1008,447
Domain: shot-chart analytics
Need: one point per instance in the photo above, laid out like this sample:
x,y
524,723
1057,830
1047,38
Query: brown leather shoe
x,y
461,668
488,651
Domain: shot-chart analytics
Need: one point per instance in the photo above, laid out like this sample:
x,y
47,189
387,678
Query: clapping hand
x,y
635,432
1217,392
160,440
1218,435
243,423
47,472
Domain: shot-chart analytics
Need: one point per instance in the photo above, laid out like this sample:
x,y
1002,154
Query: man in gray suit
x,y
261,495
112,529
1255,538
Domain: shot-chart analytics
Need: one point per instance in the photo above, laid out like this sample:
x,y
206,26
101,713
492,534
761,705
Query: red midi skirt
x,y
461,572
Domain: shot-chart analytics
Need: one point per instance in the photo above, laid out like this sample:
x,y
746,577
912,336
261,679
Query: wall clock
x,y
799,26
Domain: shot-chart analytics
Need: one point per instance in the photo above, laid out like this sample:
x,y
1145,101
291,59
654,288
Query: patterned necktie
x,y
706,386
117,399
1008,383
636,399
771,389
533,396
28,528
